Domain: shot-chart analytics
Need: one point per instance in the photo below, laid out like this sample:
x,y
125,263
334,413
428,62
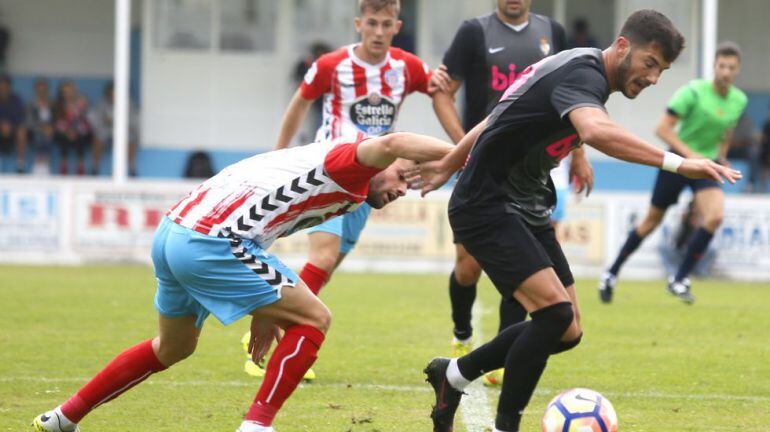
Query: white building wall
x,y
62,37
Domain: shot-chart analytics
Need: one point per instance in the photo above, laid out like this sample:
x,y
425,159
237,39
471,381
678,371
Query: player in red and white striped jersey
x,y
363,86
209,257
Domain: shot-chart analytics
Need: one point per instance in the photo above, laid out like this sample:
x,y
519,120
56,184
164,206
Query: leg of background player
x,y
710,203
322,260
462,294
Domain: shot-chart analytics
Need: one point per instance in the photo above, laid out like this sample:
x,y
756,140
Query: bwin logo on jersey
x,y
373,114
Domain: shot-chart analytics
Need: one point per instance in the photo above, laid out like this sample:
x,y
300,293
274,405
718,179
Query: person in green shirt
x,y
706,111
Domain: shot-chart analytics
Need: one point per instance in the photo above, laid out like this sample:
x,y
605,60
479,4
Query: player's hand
x,y
705,168
412,177
439,80
263,333
433,175
581,174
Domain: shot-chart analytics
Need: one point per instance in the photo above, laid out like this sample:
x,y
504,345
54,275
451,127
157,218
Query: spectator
x,y
317,49
199,165
764,154
12,131
101,123
40,126
581,35
72,131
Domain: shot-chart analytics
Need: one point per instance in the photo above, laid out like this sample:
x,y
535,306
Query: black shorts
x,y
669,185
509,250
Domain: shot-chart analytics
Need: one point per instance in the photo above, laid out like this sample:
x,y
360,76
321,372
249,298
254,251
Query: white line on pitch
x,y
250,383
474,408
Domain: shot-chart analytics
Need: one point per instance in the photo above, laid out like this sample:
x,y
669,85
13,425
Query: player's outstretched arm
x,y
597,130
444,106
292,119
435,174
382,151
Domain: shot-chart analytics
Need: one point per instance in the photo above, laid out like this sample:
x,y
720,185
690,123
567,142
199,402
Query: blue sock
x,y
631,244
700,241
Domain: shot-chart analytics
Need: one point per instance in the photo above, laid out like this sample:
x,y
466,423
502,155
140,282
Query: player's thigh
x,y
541,289
504,246
297,306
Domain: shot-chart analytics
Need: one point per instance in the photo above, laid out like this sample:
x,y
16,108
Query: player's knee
x,y
325,258
713,221
556,318
467,271
566,345
170,352
321,318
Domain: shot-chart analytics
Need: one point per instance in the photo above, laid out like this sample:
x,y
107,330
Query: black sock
x,y
631,244
491,355
462,298
511,312
526,361
700,241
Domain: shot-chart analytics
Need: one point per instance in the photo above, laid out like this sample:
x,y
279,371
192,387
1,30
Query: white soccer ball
x,y
580,410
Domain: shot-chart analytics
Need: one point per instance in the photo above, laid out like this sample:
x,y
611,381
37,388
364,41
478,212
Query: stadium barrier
x,y
73,221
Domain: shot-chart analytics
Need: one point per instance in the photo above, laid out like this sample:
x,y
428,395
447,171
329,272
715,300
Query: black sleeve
x,y
584,85
459,57
559,36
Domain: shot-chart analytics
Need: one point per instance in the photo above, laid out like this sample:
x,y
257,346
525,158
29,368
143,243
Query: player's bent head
x,y
389,184
647,45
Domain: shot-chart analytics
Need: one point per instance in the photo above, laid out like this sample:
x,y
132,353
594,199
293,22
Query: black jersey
x,y
488,55
527,134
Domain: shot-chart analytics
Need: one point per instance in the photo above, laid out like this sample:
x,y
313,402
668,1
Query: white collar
x,y
516,28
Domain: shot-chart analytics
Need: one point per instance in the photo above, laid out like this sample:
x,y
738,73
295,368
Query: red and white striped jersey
x,y
361,99
274,194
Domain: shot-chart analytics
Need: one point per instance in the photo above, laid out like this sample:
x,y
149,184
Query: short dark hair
x,y
647,26
378,5
728,49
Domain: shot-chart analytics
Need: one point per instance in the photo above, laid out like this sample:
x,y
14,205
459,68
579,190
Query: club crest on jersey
x,y
545,47
391,78
373,114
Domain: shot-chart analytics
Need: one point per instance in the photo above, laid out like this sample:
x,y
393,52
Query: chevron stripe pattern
x,y
270,275
284,194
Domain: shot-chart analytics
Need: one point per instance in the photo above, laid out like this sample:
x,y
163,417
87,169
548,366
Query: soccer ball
x,y
580,410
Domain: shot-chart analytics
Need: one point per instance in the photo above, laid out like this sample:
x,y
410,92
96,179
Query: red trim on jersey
x,y
217,215
190,205
359,80
342,166
312,203
385,90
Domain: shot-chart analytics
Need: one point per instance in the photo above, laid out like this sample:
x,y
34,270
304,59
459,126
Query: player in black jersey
x,y
487,54
500,206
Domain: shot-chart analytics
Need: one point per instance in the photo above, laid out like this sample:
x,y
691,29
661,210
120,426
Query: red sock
x,y
128,369
314,277
291,359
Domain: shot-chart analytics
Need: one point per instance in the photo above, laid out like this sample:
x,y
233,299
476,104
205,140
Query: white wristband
x,y
671,162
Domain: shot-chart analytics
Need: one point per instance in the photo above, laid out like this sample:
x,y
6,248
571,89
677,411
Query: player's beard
x,y
622,72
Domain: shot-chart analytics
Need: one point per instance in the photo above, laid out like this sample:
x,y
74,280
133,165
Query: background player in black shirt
x,y
500,206
487,54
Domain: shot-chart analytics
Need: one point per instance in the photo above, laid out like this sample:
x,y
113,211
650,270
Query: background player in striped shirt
x,y
210,257
363,86
706,112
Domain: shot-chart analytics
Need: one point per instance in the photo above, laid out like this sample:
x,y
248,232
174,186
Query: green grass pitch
x,y
664,365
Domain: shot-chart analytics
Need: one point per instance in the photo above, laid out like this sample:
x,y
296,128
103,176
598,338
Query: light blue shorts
x,y
560,211
200,274
348,227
